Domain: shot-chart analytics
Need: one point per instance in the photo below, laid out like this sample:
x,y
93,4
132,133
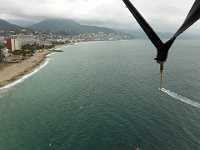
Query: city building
x,y
26,39
13,44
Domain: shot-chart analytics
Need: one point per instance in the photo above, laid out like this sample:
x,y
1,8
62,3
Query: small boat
x,y
58,51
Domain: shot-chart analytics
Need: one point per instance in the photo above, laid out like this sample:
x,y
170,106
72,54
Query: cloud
x,y
162,14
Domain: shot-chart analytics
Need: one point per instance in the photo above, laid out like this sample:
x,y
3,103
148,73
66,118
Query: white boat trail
x,y
181,98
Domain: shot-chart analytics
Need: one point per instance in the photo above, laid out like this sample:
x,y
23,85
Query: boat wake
x,y
181,98
23,78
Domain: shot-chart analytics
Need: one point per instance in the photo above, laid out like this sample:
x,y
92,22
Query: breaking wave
x,y
23,78
50,54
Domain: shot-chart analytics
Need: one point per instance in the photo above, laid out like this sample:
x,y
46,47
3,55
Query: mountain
x,y
6,26
22,23
67,26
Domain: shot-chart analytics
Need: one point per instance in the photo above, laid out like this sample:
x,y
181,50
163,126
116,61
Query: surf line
x,y
23,78
49,55
181,98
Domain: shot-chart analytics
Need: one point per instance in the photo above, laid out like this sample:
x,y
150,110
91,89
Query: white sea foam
x,y
23,78
50,54
181,98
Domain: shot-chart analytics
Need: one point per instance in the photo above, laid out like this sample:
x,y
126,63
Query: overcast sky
x,y
162,14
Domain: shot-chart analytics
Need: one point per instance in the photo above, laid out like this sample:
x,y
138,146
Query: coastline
x,y
11,73
15,71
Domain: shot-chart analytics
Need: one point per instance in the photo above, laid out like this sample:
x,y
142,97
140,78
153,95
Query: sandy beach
x,y
11,72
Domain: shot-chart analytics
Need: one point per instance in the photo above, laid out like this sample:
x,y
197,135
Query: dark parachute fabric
x,y
163,48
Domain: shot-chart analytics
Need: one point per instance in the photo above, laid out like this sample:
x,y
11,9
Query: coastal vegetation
x,y
1,52
2,45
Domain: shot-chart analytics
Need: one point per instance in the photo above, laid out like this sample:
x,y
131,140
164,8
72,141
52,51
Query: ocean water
x,y
104,96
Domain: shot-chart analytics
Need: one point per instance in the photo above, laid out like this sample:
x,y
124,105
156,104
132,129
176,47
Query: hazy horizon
x,y
165,16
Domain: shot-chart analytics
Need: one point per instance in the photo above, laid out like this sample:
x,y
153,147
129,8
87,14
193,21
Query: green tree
x,y
1,52
2,46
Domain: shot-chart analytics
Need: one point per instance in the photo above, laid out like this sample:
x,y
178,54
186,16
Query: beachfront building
x,y
13,44
16,42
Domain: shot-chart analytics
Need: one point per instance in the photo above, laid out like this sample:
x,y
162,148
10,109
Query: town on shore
x,y
14,47
18,47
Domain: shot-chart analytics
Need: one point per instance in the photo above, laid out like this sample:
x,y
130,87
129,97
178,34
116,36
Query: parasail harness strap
x,y
163,48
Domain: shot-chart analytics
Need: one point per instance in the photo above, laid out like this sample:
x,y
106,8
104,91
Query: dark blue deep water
x,y
104,96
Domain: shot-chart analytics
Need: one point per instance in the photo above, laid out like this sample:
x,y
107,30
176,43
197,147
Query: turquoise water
x,y
104,96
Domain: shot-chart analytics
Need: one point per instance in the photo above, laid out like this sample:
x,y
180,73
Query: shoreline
x,y
25,76
14,72
11,73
